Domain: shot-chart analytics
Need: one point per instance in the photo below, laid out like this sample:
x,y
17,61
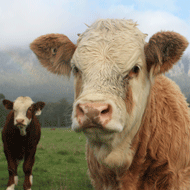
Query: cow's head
x,y
24,109
113,69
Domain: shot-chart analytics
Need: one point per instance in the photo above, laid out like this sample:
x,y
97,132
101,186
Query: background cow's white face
x,y
114,70
20,108
23,108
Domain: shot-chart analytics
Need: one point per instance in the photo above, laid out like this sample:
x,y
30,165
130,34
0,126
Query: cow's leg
x,y
27,168
12,168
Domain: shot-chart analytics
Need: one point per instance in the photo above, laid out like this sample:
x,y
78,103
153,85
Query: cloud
x,y
149,22
23,21
157,20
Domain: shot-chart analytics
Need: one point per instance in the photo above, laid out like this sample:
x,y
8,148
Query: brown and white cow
x,y
135,119
20,136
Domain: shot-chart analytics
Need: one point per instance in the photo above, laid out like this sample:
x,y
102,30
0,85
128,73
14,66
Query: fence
x,y
61,121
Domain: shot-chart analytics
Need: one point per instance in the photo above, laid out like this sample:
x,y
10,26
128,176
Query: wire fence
x,y
59,122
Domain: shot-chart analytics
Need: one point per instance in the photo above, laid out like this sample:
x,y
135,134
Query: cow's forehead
x,y
112,27
109,40
22,103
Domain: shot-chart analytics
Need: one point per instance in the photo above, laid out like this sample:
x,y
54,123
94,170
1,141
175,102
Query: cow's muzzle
x,y
93,115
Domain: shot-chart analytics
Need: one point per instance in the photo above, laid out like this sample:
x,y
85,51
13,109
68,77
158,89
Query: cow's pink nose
x,y
21,121
99,113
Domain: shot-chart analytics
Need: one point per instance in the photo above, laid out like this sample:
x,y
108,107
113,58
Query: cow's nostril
x,y
96,112
20,120
105,111
80,110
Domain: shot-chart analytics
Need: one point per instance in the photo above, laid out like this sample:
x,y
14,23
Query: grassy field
x,y
60,163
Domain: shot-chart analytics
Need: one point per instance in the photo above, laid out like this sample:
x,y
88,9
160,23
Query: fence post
x,y
43,121
58,122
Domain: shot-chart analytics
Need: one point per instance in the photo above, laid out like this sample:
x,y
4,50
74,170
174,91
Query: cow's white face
x,y
23,110
20,108
114,70
111,66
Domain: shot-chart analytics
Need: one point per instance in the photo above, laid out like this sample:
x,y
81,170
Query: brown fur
x,y
129,100
163,50
8,104
162,158
29,113
78,85
54,52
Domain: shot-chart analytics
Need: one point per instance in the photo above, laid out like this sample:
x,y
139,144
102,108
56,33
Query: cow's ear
x,y
37,108
54,52
163,50
8,104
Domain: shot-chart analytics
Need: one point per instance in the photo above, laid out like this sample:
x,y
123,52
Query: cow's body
x,y
20,145
135,119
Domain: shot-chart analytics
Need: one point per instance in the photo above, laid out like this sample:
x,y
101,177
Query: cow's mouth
x,y
91,128
98,133
98,129
22,129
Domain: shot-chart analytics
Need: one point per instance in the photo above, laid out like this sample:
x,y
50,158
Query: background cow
x,y
20,136
135,119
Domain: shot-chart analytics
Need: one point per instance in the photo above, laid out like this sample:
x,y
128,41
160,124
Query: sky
x,y
23,21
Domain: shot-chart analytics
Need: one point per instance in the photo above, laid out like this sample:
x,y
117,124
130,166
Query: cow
x,y
135,119
52,129
20,135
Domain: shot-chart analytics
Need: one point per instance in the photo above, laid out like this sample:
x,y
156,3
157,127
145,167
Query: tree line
x,y
56,114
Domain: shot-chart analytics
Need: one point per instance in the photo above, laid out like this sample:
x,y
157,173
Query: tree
x,y
185,61
3,111
2,96
56,114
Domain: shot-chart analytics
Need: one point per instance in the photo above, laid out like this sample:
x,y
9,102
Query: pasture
x,y
60,162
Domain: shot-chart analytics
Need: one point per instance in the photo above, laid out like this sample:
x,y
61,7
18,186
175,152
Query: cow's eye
x,y
133,72
135,69
75,70
54,51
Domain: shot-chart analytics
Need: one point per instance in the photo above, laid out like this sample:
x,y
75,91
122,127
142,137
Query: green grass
x,y
60,163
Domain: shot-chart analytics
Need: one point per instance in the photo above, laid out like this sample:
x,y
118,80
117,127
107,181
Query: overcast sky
x,y
23,21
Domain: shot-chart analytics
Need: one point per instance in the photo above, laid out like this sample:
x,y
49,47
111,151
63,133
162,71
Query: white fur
x,y
12,187
106,52
16,180
31,179
38,112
